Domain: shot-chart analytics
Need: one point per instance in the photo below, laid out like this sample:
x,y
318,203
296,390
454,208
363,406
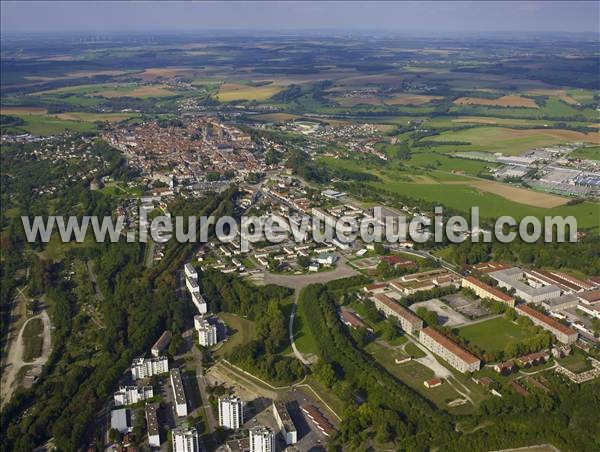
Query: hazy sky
x,y
67,16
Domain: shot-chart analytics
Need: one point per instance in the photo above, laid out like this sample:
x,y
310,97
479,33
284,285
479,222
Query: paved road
x,y
298,282
14,359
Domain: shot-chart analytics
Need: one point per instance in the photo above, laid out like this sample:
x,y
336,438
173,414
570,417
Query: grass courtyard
x,y
493,335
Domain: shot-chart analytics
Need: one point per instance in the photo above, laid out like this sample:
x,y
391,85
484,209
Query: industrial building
x,y
531,290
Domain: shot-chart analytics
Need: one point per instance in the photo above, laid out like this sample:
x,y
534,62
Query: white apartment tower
x,y
207,332
231,412
262,439
185,440
147,367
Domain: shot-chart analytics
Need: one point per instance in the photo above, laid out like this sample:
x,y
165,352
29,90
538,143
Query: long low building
x,y
152,425
178,393
454,354
285,423
483,290
563,333
409,322
537,291
318,420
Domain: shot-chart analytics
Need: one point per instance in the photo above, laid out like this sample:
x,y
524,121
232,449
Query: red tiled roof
x,y
351,318
591,296
451,346
553,323
406,314
489,289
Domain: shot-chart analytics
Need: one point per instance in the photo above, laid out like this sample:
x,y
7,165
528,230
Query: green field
x,y
493,335
244,332
509,141
46,125
33,340
413,374
587,153
305,341
447,189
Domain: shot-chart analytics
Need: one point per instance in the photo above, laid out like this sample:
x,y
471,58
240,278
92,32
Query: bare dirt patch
x,y
504,101
520,195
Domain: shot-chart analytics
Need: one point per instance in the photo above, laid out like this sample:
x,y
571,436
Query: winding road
x,y
299,282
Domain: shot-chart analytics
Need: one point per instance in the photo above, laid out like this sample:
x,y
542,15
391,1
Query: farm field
x,y
48,125
235,91
493,335
410,99
112,90
504,101
513,141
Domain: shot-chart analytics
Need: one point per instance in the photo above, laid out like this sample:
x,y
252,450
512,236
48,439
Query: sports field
x,y
493,335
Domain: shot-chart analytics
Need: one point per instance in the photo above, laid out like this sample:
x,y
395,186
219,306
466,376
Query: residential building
x,y
351,319
161,344
409,322
262,439
285,423
152,425
533,290
563,333
483,290
199,302
128,395
190,271
178,393
185,440
231,412
148,367
451,352
207,332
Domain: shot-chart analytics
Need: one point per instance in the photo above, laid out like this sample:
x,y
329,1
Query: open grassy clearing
x,y
504,101
410,99
32,339
243,332
520,195
493,335
235,91
46,125
588,153
513,141
413,374
92,117
303,338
